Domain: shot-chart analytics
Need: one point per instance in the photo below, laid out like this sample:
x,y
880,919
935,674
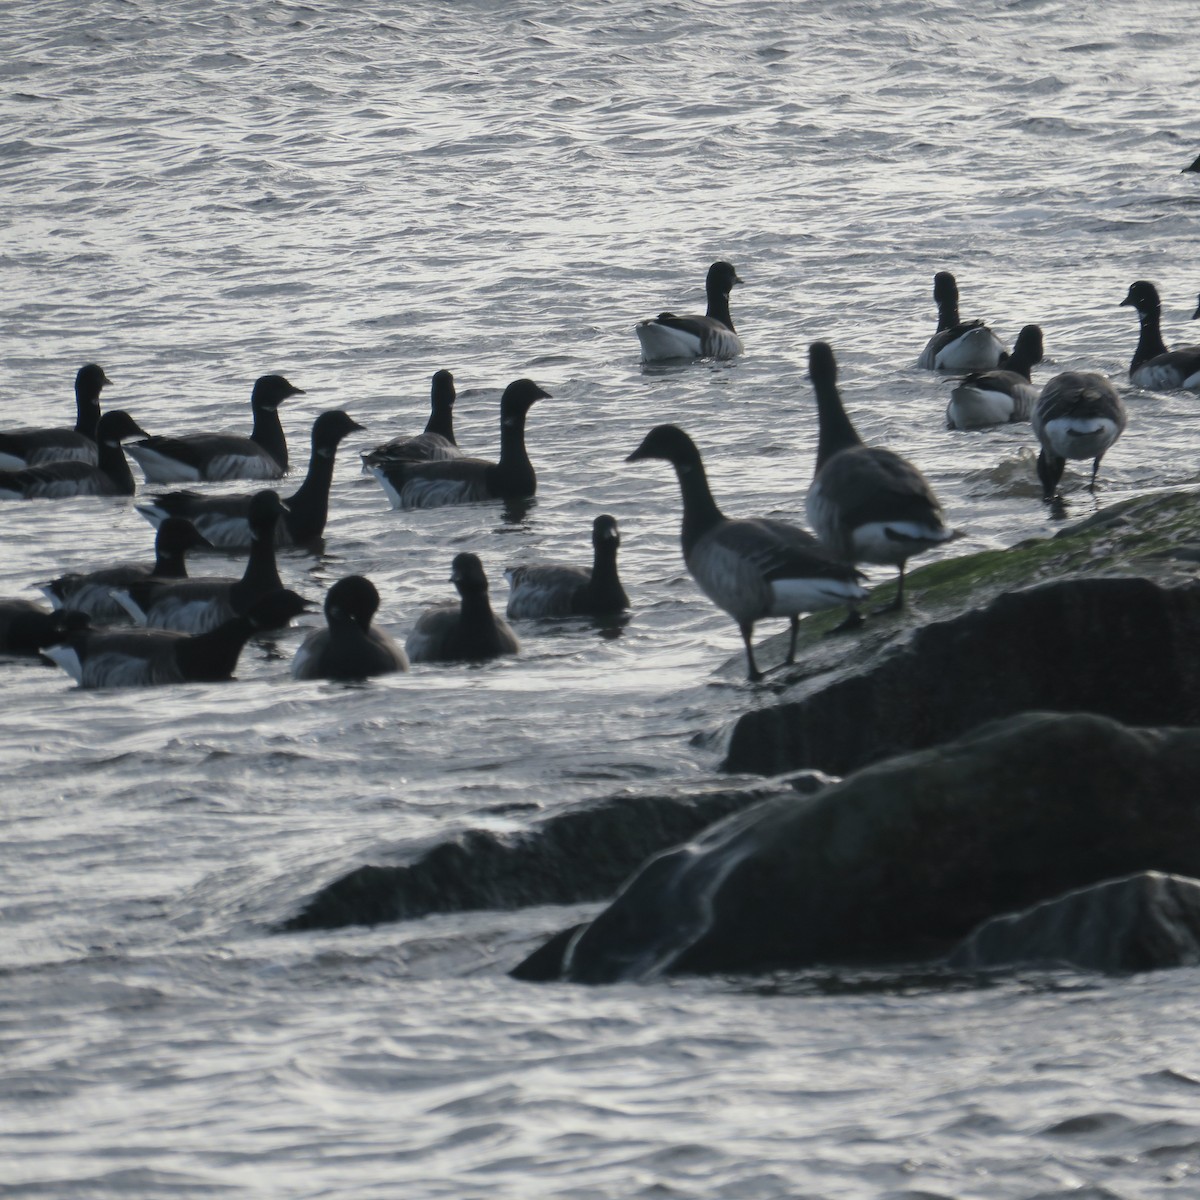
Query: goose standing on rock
x,y
91,592
198,605
467,480
750,568
26,629
436,443
1000,396
21,448
465,632
143,657
224,520
1153,365
558,590
866,503
350,647
711,336
217,457
110,476
1079,415
958,345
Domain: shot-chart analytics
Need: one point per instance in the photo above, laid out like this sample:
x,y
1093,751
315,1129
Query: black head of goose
x,y
350,647
465,632
468,480
1153,365
958,345
1000,396
110,476
437,442
668,336
145,657
1078,415
26,629
224,520
750,568
559,590
198,605
866,503
21,448
195,457
91,592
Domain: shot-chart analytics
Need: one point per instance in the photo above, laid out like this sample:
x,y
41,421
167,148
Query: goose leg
x,y
853,620
752,667
794,620
1095,469
1050,471
898,602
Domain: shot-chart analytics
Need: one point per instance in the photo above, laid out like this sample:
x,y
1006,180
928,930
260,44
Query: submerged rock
x,y
1139,923
1102,618
570,858
905,858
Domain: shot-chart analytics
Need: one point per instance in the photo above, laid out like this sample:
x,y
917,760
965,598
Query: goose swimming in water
x,y
866,503
1000,396
465,632
110,476
469,480
26,629
350,647
193,457
1079,415
437,442
710,336
958,345
749,568
144,657
558,590
1153,365
91,592
21,448
224,520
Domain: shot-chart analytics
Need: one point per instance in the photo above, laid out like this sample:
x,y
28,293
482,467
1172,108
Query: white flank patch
x,y
242,466
10,462
392,493
158,468
130,605
893,542
67,658
974,407
790,596
976,350
663,342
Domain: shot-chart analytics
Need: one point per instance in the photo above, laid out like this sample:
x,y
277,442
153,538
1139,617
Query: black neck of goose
x,y
835,432
477,626
1020,361
947,314
309,504
87,414
1150,343
261,575
441,422
213,656
605,586
718,307
700,511
170,564
268,433
514,472
110,458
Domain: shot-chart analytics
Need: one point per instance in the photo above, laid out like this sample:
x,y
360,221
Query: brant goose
x,y
750,568
437,442
21,448
1153,365
464,632
223,519
464,480
349,647
193,457
26,629
1079,415
140,657
558,590
110,476
198,605
958,345
92,591
867,504
1003,395
710,336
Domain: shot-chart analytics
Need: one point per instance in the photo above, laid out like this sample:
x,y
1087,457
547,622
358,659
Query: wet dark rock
x,y
1142,922
904,859
580,855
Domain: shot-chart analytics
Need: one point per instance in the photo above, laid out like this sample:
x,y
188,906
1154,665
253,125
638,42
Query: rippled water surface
x,y
357,195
